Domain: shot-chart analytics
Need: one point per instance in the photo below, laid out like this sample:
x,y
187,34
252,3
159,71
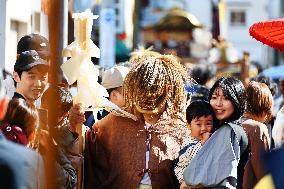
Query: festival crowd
x,y
192,129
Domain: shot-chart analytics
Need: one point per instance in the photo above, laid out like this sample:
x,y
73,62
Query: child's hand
x,y
205,137
184,186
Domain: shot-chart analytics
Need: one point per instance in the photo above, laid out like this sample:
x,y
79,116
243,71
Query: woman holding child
x,y
231,157
216,163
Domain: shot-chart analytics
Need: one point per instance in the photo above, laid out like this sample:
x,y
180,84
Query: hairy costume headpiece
x,y
155,81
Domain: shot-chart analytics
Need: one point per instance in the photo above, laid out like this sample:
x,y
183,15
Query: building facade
x,y
235,18
18,18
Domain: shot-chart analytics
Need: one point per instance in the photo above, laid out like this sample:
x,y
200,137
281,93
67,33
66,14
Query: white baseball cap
x,y
114,77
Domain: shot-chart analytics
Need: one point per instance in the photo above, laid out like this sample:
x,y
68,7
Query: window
x,y
117,11
119,22
238,18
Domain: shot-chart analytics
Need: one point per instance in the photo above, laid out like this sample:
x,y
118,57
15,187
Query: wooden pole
x,y
54,39
3,33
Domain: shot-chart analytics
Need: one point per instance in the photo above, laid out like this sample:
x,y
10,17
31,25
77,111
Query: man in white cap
x,y
112,80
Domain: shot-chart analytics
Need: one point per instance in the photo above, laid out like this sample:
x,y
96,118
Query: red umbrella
x,y
269,32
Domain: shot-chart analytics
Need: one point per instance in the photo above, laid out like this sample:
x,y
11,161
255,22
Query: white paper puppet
x,y
80,68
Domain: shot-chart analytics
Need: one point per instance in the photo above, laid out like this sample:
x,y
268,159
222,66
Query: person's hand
x,y
44,139
76,117
184,186
205,137
282,138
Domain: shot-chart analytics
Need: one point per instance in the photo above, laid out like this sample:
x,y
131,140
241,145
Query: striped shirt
x,y
189,149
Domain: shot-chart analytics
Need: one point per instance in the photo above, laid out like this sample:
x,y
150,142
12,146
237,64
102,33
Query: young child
x,y
64,104
19,123
200,118
65,164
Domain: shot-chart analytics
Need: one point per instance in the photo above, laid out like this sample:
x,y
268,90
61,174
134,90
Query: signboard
x,y
107,37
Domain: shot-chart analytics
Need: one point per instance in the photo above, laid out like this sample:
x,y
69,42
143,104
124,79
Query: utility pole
x,y
63,29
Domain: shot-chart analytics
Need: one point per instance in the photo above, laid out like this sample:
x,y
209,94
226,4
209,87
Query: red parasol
x,y
269,32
